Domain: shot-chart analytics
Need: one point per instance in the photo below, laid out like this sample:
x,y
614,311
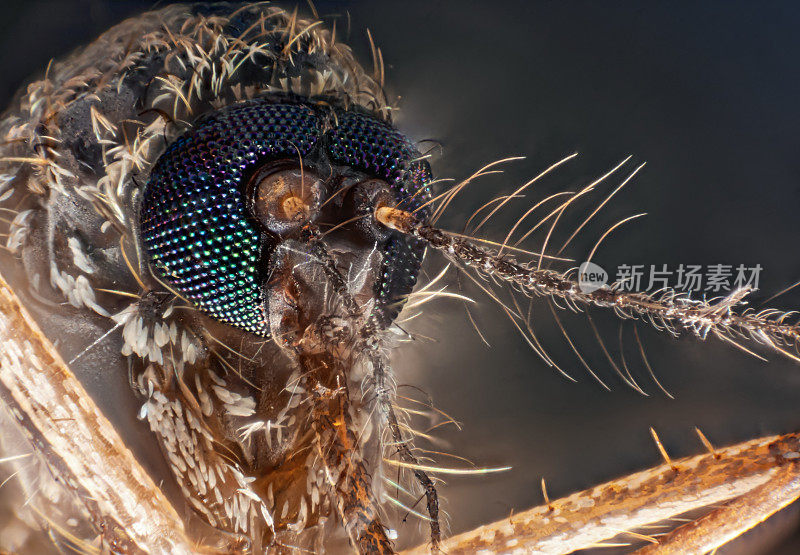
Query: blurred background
x,y
706,93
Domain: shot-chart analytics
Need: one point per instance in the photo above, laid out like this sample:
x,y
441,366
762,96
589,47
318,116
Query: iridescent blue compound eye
x,y
225,193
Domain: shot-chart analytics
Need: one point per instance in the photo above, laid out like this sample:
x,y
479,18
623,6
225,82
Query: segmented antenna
x,y
666,309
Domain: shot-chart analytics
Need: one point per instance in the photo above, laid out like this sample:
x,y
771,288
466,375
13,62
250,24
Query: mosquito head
x,y
250,192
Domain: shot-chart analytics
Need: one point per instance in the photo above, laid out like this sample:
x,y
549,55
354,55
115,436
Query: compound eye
x,y
284,199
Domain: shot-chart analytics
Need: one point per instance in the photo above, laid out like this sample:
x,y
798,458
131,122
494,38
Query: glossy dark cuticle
x,y
286,197
360,203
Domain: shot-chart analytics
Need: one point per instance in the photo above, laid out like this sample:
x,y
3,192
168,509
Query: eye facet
x,y
284,199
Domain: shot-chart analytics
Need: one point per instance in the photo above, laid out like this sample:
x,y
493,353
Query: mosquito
x,y
212,238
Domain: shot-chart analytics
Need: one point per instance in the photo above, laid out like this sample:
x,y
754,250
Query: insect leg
x,y
722,525
760,476
70,433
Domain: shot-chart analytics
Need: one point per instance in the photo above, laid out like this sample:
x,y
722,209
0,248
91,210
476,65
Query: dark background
x,y
707,93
